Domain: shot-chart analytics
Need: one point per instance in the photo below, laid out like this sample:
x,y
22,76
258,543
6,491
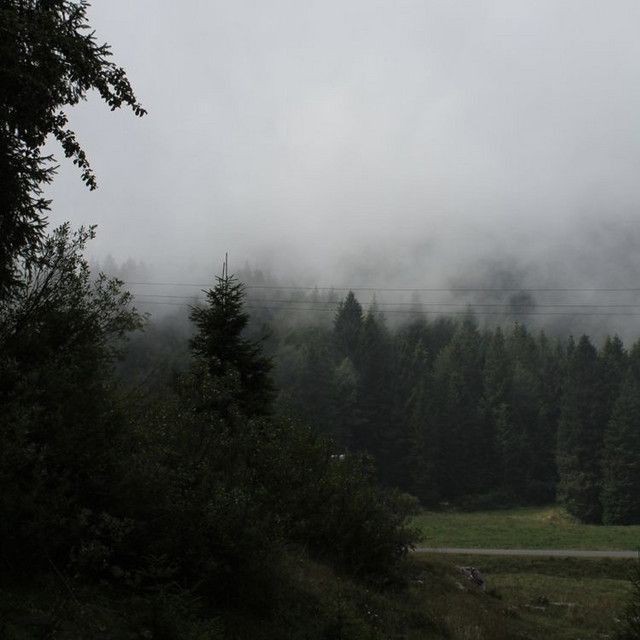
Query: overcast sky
x,y
319,134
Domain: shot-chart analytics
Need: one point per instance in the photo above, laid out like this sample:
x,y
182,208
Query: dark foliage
x,y
50,60
621,459
580,435
222,347
630,624
60,427
197,492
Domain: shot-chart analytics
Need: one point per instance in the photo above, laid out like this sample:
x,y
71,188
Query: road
x,y
546,553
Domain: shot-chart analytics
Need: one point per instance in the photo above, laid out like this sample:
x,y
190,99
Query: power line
x,y
506,312
478,313
406,289
425,303
463,313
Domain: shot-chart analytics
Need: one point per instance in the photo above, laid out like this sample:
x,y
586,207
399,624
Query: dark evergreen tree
x,y
544,475
495,409
621,458
382,433
347,328
422,438
613,365
347,421
634,360
313,392
463,464
527,456
580,435
228,355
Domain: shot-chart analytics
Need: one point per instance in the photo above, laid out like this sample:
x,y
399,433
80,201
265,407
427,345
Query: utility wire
x,y
423,303
506,312
405,289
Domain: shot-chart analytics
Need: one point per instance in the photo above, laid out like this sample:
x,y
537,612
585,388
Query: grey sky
x,y
311,133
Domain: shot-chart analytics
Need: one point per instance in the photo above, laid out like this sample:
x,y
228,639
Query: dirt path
x,y
556,553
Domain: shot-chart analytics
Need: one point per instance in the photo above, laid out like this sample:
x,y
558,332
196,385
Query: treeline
x,y
196,503
453,413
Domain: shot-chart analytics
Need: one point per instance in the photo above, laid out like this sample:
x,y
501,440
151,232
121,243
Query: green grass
x,y
523,528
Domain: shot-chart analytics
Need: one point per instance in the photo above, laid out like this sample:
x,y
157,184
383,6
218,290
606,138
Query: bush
x,y
61,425
631,620
227,495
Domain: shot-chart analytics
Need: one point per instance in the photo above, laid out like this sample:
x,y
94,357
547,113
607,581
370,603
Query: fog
x,y
405,143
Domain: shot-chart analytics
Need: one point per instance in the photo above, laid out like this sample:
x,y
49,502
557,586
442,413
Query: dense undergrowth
x,y
182,503
525,599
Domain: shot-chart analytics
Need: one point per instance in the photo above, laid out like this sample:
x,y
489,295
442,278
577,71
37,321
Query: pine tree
x,y
347,422
634,360
544,474
495,409
613,364
220,345
414,389
464,459
347,328
383,434
621,459
525,404
580,435
313,387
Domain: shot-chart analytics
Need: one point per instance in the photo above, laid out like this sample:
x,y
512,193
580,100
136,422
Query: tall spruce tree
x,y
312,394
580,435
221,346
525,452
412,382
463,463
346,337
613,364
621,458
550,363
422,441
347,328
347,421
495,409
383,435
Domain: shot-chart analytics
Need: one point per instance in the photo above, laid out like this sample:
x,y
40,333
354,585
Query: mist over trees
x,y
228,471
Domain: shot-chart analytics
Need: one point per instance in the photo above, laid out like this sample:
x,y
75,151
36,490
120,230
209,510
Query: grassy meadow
x,y
522,528
537,597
